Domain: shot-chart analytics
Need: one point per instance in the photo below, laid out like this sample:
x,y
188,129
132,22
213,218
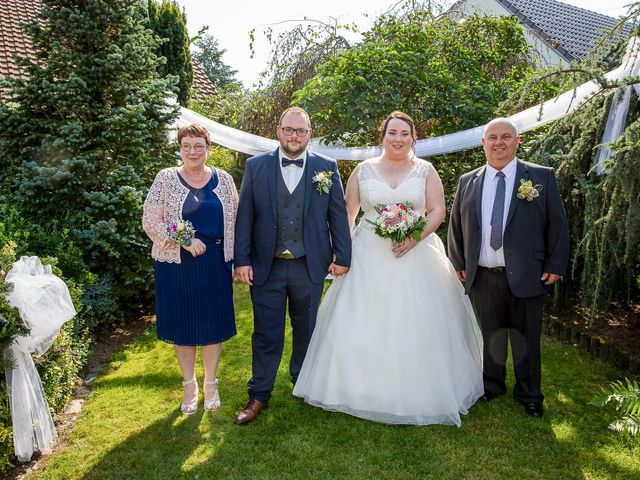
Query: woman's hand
x,y
399,249
196,248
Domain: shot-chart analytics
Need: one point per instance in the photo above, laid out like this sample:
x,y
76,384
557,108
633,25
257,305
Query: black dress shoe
x,y
488,396
533,409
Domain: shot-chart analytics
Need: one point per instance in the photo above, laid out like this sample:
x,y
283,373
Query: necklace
x,y
396,168
195,191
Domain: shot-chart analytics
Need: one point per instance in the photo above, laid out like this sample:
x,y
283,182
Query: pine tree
x,y
170,24
209,56
84,136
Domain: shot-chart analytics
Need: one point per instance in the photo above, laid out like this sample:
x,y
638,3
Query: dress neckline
x,y
191,187
402,180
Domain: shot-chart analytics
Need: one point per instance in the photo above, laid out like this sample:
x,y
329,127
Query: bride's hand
x,y
399,249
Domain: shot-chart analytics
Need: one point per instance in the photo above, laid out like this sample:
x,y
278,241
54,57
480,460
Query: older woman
x,y
194,296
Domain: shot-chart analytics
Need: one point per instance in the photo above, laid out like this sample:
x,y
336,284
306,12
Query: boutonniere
x,y
527,190
323,181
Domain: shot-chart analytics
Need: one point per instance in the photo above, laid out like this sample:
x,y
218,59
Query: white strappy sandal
x,y
189,408
211,404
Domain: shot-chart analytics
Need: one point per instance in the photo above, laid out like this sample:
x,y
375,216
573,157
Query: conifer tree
x,y
170,24
85,134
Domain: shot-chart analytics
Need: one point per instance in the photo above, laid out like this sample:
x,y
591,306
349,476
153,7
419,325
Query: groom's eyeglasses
x,y
300,132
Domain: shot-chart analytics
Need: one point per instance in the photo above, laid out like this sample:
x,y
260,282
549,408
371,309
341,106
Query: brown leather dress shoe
x,y
250,412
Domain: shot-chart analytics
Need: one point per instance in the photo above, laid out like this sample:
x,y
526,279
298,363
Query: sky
x,y
231,22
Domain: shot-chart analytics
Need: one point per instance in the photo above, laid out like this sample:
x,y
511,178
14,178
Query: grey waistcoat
x,y
290,222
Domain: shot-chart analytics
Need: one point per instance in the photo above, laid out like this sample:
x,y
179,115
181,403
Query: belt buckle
x,y
286,256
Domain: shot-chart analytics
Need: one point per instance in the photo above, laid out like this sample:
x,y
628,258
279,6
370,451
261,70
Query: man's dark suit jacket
x,y
326,229
536,235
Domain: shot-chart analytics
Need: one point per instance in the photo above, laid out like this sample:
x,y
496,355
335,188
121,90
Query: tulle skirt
x,y
396,339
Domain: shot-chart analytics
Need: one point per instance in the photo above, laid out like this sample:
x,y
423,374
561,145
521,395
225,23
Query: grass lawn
x,y
131,428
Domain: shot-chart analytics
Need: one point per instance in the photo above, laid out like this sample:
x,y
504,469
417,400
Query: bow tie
x,y
298,163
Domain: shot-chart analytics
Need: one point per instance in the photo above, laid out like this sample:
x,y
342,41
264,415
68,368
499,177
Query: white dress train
x,y
396,339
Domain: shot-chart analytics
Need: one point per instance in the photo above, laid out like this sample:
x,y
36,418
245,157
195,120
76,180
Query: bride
x,y
396,340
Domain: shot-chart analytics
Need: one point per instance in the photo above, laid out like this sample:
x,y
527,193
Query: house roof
x,y
13,41
13,14
573,31
202,86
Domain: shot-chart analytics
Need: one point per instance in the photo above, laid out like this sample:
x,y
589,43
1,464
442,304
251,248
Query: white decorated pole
x,y
526,120
44,304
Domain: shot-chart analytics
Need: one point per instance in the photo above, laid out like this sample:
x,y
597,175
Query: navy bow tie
x,y
298,163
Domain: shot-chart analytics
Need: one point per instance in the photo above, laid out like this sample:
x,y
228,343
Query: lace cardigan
x,y
164,204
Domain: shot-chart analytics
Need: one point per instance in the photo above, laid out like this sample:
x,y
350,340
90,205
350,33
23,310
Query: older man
x,y
509,242
291,231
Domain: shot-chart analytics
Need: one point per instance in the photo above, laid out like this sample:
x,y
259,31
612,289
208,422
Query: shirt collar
x,y
509,169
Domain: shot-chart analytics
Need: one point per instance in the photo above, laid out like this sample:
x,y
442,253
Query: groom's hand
x,y
244,274
337,270
462,275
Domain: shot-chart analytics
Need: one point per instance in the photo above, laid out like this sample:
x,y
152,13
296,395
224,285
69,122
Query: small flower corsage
x,y
323,181
527,190
181,232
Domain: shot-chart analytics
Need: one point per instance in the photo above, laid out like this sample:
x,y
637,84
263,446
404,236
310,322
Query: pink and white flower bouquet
x,y
181,232
398,221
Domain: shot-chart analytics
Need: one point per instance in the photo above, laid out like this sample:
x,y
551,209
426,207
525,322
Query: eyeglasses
x,y
300,132
198,147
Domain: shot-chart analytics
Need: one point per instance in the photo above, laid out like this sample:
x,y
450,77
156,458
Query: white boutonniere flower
x,y
323,181
527,190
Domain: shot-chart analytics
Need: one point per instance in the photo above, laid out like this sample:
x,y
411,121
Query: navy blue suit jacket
x,y
325,225
536,235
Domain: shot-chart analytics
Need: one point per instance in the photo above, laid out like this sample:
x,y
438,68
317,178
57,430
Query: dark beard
x,y
293,154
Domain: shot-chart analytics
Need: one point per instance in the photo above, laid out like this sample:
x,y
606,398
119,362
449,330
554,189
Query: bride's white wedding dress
x,y
396,339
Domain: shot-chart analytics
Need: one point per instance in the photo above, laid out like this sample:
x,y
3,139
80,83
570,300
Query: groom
x,y
509,242
291,231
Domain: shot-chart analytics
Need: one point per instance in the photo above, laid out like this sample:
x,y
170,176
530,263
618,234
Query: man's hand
x,y
550,278
337,270
462,275
244,274
196,248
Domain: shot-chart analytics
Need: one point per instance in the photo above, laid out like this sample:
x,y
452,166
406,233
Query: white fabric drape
x,y
44,304
526,120
617,119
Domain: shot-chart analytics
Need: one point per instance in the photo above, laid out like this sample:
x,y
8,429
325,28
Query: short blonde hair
x,y
194,130
296,111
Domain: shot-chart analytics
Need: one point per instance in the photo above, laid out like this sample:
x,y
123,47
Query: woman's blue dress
x,y
194,299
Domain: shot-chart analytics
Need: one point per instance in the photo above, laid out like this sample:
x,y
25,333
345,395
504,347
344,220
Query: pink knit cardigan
x,y
164,204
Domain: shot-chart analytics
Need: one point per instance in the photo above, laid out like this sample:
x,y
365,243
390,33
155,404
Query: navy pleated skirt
x,y
194,299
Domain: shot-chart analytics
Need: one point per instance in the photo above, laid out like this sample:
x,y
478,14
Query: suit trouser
x,y
288,280
502,317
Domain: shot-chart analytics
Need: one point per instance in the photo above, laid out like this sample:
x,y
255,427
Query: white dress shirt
x,y
488,256
292,173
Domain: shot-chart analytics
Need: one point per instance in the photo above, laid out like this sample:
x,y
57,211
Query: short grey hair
x,y
500,121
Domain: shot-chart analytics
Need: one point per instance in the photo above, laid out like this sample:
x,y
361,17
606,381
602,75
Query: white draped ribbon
x,y
44,304
526,120
617,119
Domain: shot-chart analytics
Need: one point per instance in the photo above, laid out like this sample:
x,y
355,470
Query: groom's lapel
x,y
476,192
308,181
522,172
273,171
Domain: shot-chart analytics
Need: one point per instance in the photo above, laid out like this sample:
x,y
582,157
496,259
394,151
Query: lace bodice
x,y
375,190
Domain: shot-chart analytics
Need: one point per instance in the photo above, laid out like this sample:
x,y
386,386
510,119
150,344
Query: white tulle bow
x,y
44,303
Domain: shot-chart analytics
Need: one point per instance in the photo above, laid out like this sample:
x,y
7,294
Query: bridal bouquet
x,y
398,221
181,232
